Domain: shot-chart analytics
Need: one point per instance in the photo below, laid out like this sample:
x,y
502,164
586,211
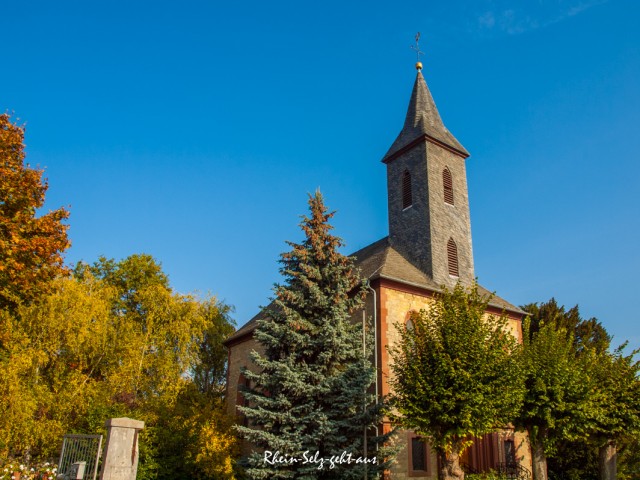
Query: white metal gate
x,y
81,448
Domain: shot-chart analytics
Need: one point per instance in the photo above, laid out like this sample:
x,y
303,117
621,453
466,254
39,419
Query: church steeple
x,y
423,120
429,222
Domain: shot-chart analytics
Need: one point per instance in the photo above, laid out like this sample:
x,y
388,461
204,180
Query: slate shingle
x,y
423,119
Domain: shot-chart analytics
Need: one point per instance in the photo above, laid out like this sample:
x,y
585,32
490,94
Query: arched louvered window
x,y
407,197
452,257
447,182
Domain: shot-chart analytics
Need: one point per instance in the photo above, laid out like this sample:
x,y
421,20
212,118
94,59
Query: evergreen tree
x,y
310,388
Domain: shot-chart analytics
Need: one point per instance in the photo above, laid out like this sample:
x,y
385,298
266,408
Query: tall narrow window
x,y
452,257
407,198
243,384
419,456
510,452
447,182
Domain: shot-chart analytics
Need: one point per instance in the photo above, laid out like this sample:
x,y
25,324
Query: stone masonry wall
x,y
421,232
395,306
238,358
449,221
409,228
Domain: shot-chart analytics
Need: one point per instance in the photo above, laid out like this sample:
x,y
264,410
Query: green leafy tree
x,y
584,446
558,404
629,459
617,403
574,460
586,333
310,388
31,246
130,277
210,372
455,375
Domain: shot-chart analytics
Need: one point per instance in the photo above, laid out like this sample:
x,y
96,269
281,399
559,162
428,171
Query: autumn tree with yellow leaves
x,y
110,339
115,340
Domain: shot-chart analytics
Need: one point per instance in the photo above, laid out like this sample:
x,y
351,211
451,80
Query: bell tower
x,y
429,221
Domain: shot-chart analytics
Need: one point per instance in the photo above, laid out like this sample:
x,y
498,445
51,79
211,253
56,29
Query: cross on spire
x,y
419,52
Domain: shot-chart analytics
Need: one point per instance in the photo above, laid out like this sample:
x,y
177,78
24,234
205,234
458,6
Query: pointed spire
x,y
423,121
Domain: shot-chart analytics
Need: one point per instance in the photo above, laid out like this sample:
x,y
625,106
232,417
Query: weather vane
x,y
419,52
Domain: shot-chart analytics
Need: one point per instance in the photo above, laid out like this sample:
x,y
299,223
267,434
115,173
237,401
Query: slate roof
x,y
423,119
381,260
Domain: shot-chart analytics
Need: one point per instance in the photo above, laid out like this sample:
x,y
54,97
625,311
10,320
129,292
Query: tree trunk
x,y
450,465
608,461
539,461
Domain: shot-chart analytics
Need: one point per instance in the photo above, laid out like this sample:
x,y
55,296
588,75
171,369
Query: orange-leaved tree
x,y
31,245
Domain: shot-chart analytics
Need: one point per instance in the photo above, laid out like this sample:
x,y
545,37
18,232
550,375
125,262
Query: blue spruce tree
x,y
309,406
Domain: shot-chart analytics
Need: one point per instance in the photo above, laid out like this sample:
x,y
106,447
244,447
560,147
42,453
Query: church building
x,y
429,245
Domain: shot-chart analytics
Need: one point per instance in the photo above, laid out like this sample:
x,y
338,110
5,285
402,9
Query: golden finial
x,y
419,52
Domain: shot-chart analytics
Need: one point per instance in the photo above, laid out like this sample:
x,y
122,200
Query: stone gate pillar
x,y
120,459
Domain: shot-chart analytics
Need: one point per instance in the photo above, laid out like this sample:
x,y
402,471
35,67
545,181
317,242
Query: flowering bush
x,y
13,470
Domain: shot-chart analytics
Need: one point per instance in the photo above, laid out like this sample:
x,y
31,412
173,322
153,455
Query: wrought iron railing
x,y
513,471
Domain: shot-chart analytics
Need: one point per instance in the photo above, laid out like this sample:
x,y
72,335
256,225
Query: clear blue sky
x,y
193,131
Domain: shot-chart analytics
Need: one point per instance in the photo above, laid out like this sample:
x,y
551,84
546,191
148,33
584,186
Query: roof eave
x,y
439,290
391,155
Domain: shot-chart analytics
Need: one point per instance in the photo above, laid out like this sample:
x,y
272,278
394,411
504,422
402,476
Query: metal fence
x,y
513,470
81,448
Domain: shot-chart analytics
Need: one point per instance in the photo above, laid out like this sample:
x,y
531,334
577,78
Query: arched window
x,y
408,324
407,197
447,182
452,257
